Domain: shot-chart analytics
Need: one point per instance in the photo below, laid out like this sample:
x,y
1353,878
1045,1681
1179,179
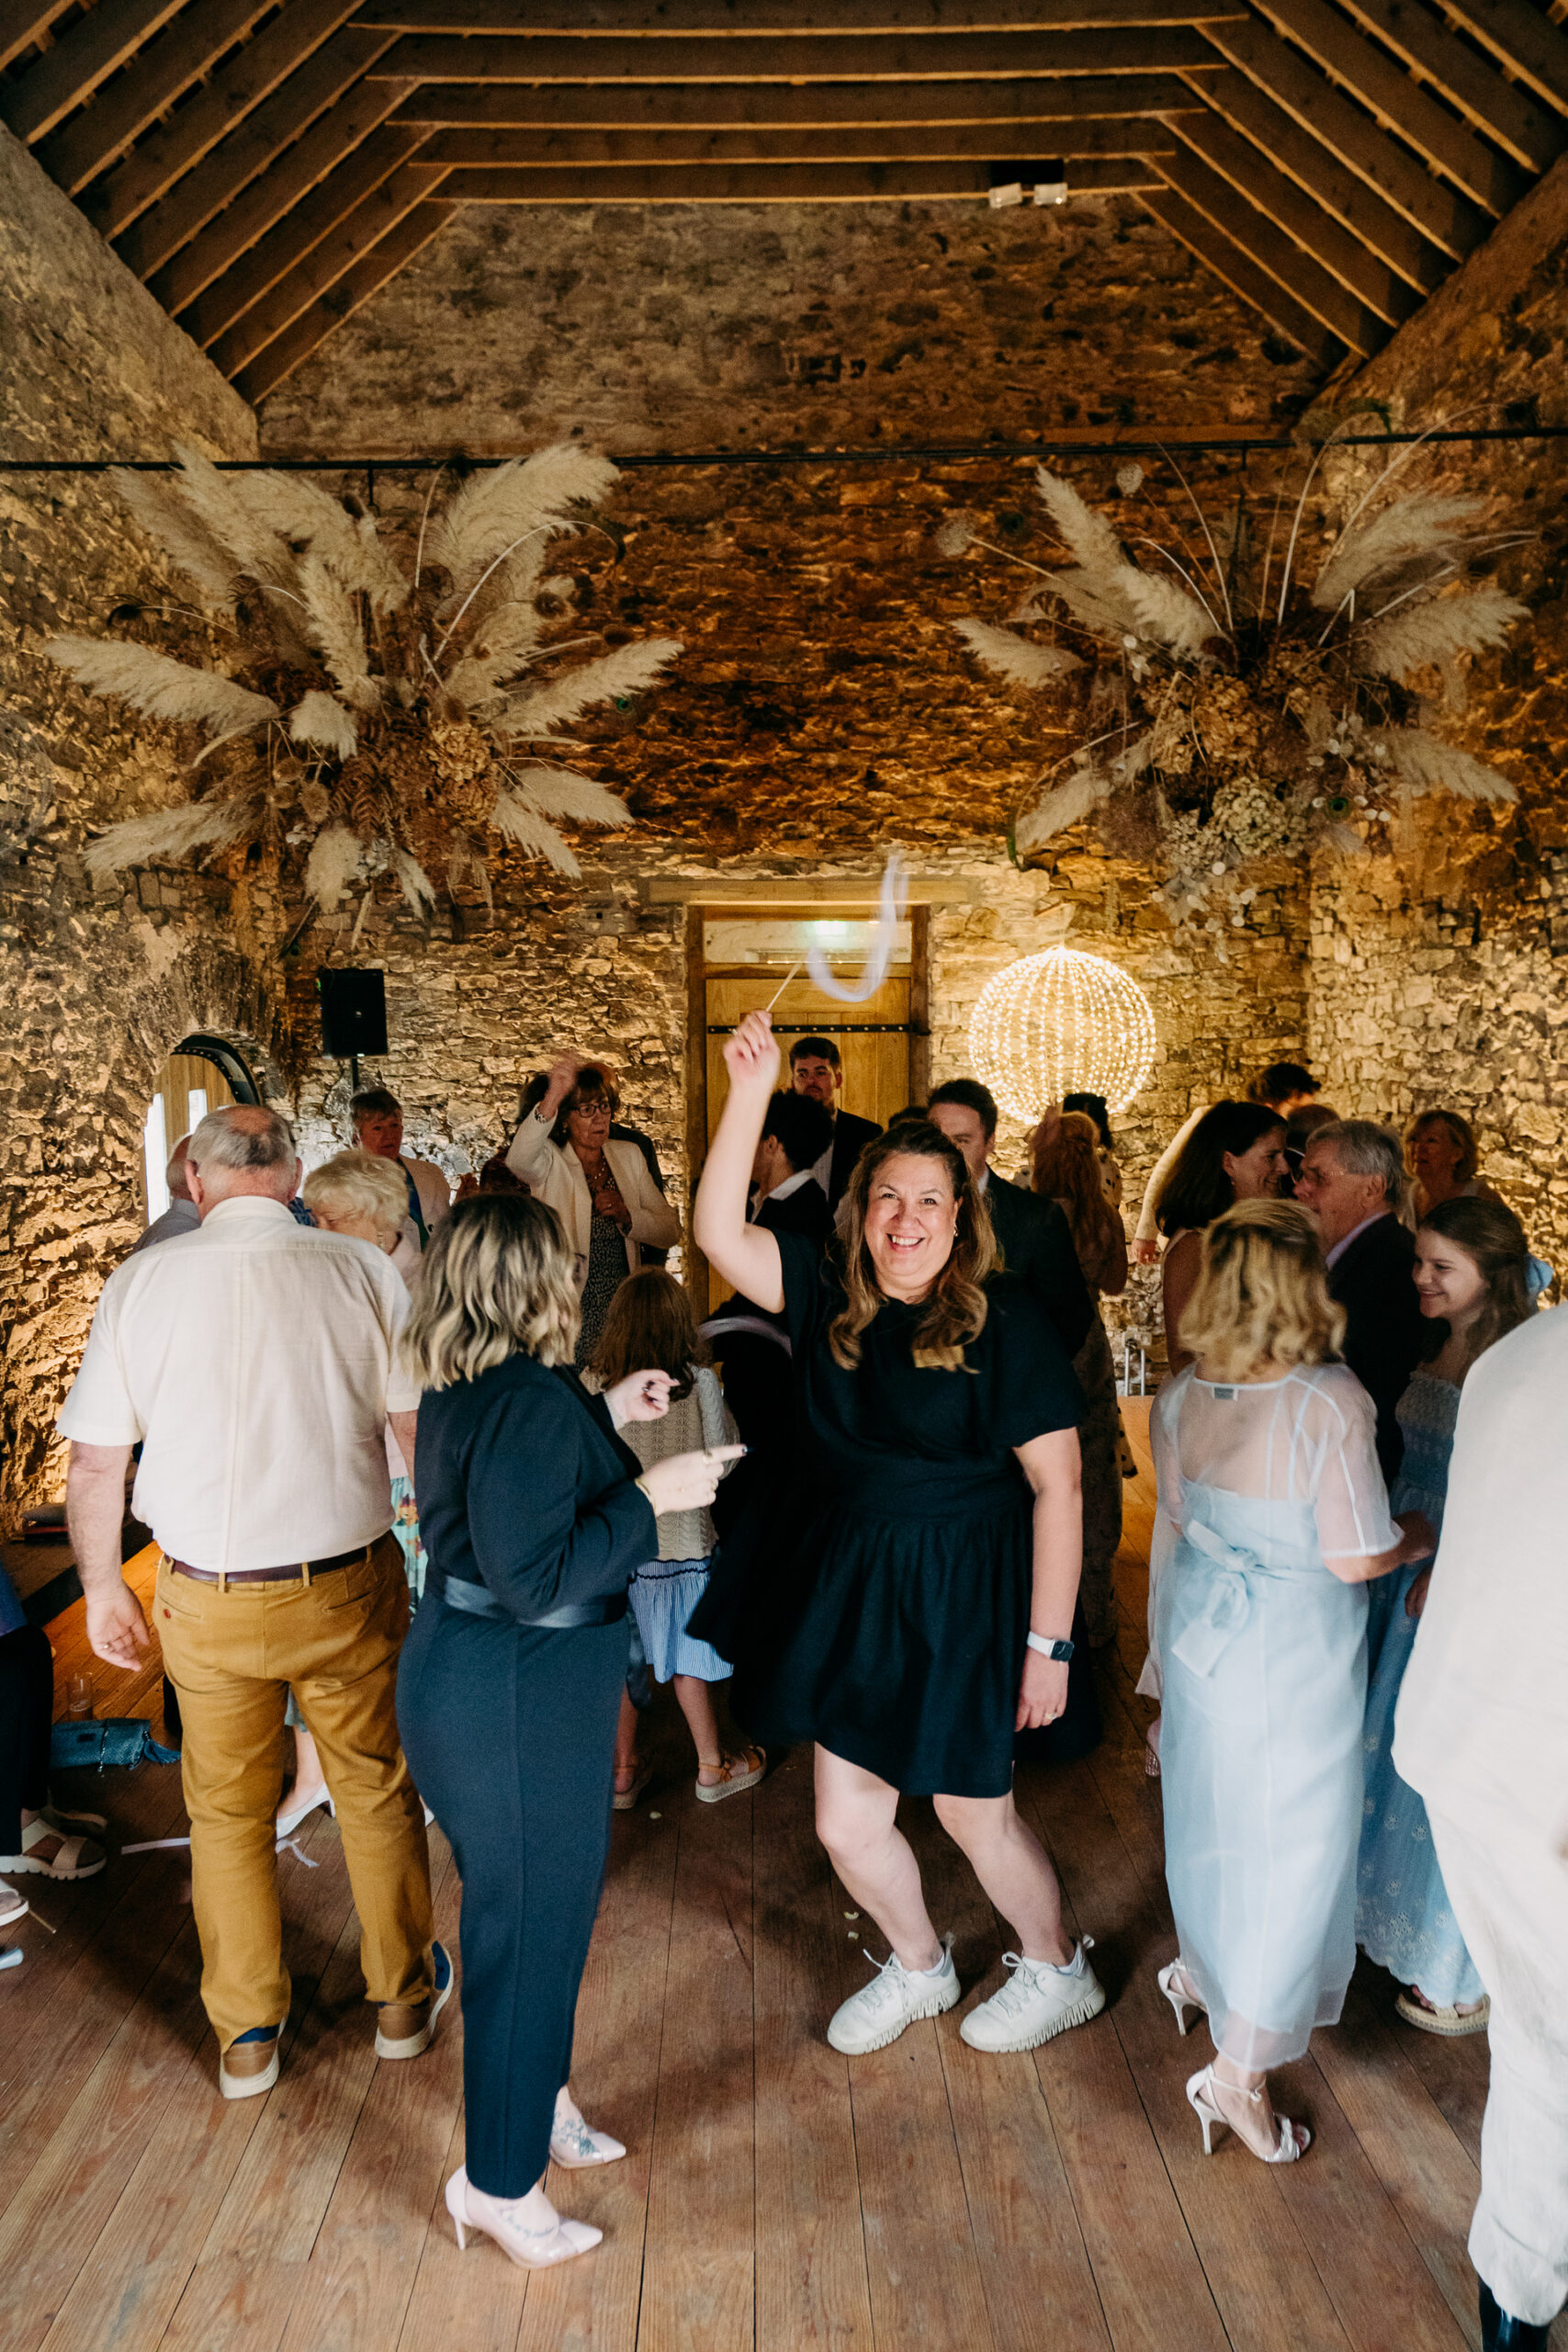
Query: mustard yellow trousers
x,y
233,1653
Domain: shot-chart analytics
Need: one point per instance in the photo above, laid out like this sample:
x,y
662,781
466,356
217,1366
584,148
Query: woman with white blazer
x,y
598,1186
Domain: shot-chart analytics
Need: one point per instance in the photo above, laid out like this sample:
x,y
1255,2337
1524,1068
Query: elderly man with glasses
x,y
256,1366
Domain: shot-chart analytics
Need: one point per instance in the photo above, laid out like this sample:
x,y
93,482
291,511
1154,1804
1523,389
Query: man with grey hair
x,y
255,1365
181,1215
1351,1177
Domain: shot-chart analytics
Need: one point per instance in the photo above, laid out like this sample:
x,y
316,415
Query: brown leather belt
x,y
296,1572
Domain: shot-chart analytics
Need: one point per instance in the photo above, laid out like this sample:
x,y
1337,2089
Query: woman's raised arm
x,y
744,1254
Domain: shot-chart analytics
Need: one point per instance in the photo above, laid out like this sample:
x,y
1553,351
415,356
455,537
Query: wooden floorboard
x,y
775,2197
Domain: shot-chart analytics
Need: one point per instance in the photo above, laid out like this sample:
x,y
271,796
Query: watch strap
x,y
1060,1651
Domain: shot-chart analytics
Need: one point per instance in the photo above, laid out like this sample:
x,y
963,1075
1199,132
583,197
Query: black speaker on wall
x,y
354,1014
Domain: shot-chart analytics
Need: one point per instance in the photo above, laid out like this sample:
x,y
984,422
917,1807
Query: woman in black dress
x,y
918,1610
534,1515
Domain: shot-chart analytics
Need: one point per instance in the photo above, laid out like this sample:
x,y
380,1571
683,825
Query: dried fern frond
x,y
498,507
628,671
1423,524
1069,803
417,886
1089,536
1428,765
161,686
320,719
562,792
531,833
183,538
1431,633
1096,602
1131,764
1167,612
333,625
1014,658
505,642
298,509
224,506
336,859
168,835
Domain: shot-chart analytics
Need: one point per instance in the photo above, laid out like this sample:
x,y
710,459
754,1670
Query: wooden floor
x,y
775,2195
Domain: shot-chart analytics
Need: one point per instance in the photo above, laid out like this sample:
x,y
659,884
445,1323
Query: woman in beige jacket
x,y
598,1186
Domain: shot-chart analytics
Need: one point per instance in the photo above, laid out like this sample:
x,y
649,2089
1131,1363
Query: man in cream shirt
x,y
254,1362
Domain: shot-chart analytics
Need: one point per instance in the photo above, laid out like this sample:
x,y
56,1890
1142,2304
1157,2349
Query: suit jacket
x,y
1037,1245
1372,1281
851,1137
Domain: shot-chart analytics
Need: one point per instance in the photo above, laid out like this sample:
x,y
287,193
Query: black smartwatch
x,y
1060,1651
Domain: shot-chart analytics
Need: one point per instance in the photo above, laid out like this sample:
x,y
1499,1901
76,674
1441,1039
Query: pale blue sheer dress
x,y
1403,1918
1263,1652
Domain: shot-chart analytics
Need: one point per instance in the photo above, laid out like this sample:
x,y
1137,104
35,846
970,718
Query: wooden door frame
x,y
769,901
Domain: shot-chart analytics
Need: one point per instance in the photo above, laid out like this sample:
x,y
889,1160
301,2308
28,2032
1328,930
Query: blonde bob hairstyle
x,y
1261,1299
359,1184
497,1281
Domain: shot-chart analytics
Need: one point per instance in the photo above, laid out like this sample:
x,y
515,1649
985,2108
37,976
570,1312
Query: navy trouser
x,y
510,1734
27,1709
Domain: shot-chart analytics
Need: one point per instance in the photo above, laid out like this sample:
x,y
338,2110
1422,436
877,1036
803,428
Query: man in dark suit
x,y
1351,1177
1036,1241
816,1071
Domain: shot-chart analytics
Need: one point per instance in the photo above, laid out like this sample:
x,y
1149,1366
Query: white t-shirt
x,y
255,1362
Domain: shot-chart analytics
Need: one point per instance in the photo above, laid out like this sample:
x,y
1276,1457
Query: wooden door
x,y
186,1088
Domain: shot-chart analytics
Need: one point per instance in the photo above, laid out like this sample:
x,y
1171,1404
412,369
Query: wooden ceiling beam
x,y
1534,136
24,21
779,20
773,183
268,208
1290,266
1522,37
1316,232
1449,220
85,55
248,152
921,142
1237,270
151,169
312,328
812,58
1330,182
512,106
1384,87
299,232
91,140
319,269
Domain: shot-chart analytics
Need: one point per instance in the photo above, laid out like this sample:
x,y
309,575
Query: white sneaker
x,y
894,1998
12,1904
1035,2001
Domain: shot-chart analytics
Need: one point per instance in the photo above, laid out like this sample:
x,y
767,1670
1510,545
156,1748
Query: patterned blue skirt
x,y
663,1595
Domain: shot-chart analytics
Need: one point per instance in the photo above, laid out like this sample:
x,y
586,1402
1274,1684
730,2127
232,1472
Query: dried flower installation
x,y
1234,710
372,725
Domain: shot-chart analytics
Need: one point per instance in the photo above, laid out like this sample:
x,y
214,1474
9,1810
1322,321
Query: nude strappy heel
x,y
530,2249
1294,2138
1169,1980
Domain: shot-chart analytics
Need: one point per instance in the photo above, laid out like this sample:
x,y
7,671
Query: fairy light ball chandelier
x,y
1062,1023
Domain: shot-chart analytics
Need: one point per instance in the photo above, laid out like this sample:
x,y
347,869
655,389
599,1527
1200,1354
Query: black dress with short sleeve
x,y
882,1610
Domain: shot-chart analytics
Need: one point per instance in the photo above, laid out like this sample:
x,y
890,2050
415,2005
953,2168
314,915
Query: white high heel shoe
x,y
575,2144
530,2249
1294,2139
1170,1981
287,1823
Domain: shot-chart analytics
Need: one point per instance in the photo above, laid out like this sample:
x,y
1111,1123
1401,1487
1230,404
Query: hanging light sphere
x,y
1062,1023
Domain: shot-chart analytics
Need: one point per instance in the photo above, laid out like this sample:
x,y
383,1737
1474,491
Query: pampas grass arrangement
x,y
373,725
1236,710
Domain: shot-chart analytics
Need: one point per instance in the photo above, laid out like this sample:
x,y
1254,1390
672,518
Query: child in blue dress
x,y
1472,1275
651,1319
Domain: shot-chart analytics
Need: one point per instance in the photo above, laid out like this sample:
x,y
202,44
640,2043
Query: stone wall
x,y
1439,977
97,985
